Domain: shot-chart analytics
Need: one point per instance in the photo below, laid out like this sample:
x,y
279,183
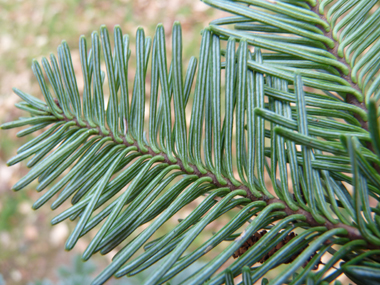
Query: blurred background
x,y
31,250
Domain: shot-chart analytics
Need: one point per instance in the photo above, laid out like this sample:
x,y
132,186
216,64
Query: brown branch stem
x,y
353,233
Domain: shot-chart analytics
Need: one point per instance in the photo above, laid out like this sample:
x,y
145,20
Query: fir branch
x,y
106,139
352,232
351,99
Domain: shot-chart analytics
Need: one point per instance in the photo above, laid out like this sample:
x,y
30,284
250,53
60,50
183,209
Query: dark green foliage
x,y
252,122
